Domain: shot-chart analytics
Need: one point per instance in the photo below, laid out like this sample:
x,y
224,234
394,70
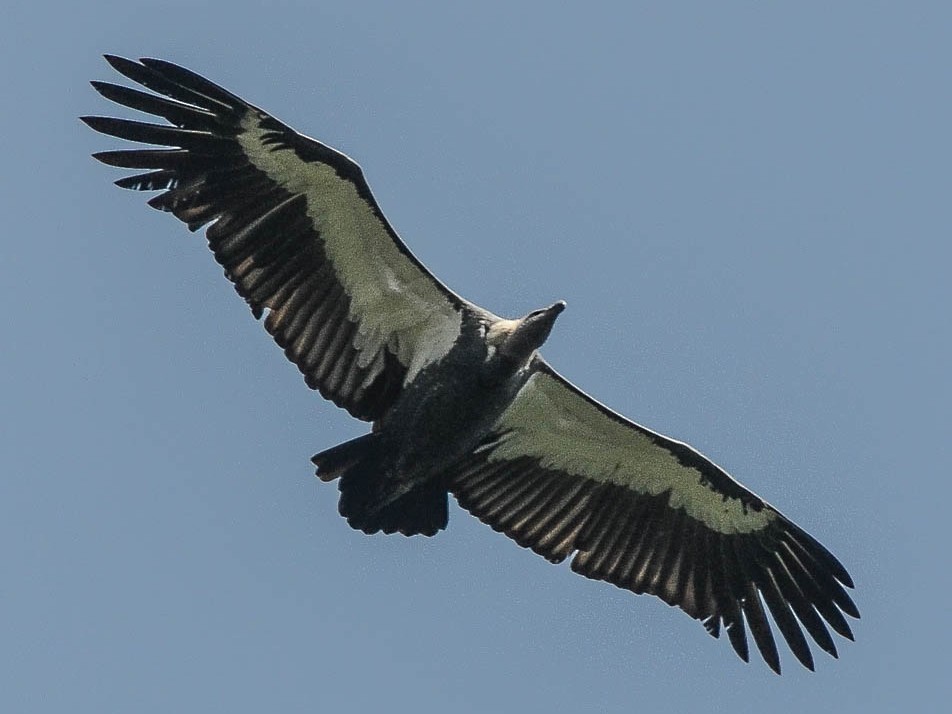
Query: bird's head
x,y
516,340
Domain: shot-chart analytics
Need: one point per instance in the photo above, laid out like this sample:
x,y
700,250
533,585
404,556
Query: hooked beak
x,y
539,325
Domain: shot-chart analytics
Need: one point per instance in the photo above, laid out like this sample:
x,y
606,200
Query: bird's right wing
x,y
562,474
297,230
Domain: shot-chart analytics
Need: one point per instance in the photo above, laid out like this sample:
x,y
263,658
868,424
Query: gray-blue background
x,y
746,208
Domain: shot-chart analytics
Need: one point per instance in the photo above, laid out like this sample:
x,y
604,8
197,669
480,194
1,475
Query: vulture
x,y
459,399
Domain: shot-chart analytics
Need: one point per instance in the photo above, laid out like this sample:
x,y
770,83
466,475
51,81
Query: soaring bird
x,y
460,400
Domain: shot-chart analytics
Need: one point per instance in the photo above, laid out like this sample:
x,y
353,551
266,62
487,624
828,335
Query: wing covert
x,y
562,474
296,229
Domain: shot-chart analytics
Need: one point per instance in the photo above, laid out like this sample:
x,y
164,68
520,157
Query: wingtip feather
x,y
120,64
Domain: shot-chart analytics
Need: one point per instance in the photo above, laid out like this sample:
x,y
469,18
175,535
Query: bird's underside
x,y
460,400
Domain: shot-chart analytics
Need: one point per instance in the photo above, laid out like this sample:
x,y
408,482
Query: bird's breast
x,y
442,415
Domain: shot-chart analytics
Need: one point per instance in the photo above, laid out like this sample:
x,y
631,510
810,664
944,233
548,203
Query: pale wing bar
x,y
568,491
296,229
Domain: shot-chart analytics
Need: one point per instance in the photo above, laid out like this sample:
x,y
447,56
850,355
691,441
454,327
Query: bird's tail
x,y
370,502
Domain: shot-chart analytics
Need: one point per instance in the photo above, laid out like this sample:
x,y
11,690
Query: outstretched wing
x,y
297,230
562,474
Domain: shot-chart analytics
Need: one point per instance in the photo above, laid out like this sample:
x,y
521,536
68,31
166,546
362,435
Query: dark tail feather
x,y
369,502
337,461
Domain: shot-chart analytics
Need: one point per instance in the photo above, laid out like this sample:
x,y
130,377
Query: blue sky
x,y
746,208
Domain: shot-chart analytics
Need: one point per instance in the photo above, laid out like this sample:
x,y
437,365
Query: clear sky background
x,y
746,206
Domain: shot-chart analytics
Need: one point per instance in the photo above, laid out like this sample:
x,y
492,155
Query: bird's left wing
x,y
297,230
562,474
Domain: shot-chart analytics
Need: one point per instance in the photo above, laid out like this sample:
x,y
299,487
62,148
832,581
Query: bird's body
x,y
460,400
438,419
